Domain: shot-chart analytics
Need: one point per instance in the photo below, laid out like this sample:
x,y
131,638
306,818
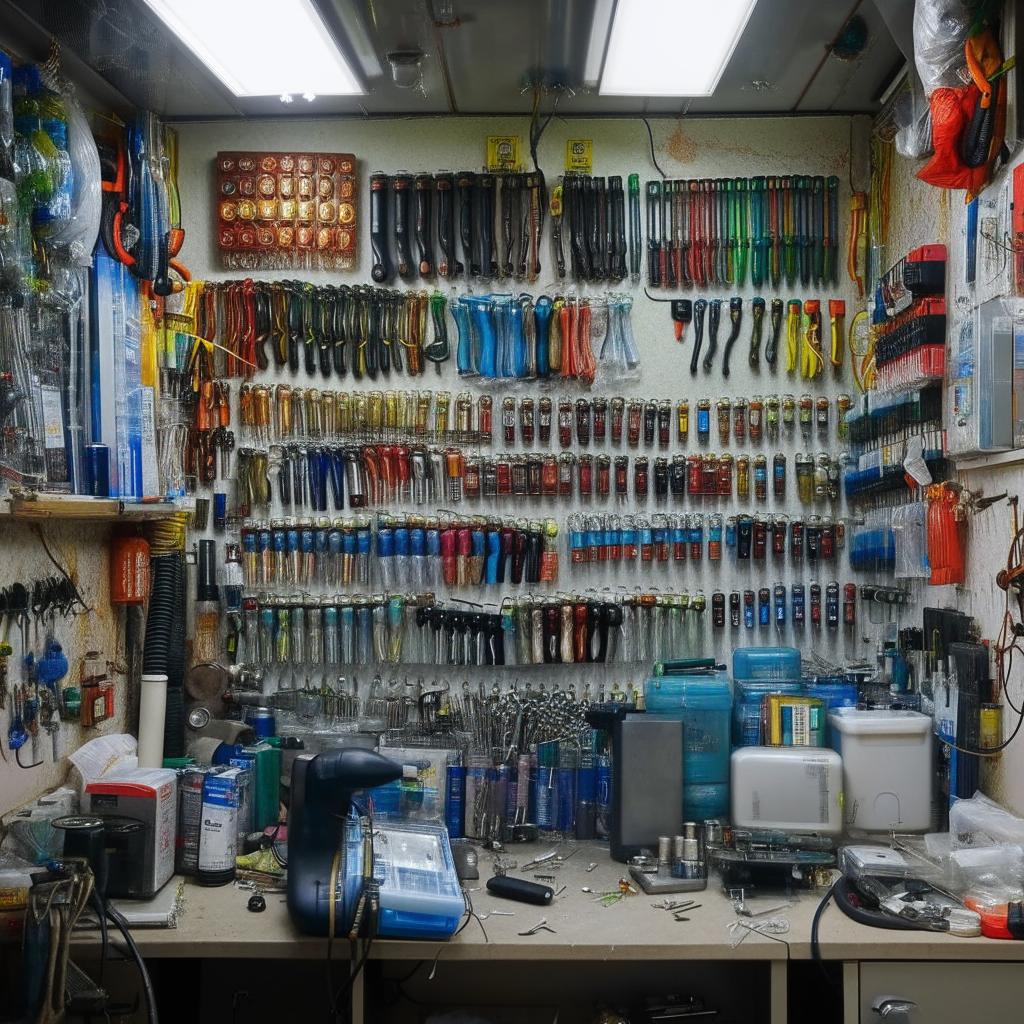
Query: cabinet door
x,y
941,993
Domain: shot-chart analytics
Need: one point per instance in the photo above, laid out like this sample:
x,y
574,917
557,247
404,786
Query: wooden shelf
x,y
36,508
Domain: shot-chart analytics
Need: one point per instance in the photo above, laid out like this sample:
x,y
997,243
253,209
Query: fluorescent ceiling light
x,y
671,47
261,49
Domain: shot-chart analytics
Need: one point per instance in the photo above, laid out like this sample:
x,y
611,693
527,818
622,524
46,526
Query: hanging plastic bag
x,y
940,31
969,122
78,235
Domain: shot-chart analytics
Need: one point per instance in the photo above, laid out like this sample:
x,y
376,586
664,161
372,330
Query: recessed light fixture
x,y
287,51
679,48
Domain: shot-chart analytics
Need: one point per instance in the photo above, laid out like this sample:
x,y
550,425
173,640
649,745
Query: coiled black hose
x,y
164,651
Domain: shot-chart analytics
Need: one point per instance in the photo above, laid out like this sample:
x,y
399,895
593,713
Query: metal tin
x,y
262,721
97,470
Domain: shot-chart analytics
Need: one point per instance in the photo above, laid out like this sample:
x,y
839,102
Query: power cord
x,y
147,984
650,138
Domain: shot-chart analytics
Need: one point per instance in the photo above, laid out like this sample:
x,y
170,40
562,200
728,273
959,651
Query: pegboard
x,y
685,149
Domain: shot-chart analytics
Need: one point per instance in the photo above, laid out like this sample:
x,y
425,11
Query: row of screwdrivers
x,y
600,540
283,412
315,477
706,231
412,554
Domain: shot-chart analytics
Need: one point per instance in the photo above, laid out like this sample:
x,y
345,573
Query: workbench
x,y
219,949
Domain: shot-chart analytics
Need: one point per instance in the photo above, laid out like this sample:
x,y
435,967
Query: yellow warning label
x,y
503,153
579,156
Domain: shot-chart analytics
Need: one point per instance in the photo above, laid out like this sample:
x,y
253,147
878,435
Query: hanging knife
x,y
381,270
449,265
424,223
465,187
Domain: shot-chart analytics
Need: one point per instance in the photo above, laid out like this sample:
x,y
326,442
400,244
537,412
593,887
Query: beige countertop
x,y
216,923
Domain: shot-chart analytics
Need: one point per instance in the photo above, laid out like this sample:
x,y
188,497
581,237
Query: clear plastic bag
x,y
78,235
980,821
909,528
913,115
940,31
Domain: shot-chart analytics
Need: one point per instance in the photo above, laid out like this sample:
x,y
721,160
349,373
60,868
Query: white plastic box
x,y
795,789
887,768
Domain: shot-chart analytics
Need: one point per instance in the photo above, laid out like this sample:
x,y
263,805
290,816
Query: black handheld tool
x,y
401,183
654,214
755,336
449,266
510,185
381,270
617,224
341,329
465,186
714,319
294,326
523,200
488,263
736,316
771,350
699,309
521,890
424,223
682,313
602,239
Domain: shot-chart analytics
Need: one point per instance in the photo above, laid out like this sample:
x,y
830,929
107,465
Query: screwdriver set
x,y
708,231
461,211
369,629
399,552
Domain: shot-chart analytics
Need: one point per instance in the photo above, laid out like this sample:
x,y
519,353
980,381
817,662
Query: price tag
x,y
503,153
579,156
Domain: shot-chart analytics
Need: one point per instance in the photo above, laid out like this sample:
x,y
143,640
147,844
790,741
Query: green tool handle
x,y
742,241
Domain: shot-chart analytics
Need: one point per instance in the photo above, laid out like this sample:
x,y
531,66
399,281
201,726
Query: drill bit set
x,y
707,231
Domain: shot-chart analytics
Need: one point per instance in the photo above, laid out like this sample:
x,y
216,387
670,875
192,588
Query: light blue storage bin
x,y
765,664
704,703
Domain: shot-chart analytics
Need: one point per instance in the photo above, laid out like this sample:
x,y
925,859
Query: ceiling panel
x,y
482,63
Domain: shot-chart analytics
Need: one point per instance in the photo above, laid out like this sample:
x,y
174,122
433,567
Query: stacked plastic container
x,y
704,702
758,671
